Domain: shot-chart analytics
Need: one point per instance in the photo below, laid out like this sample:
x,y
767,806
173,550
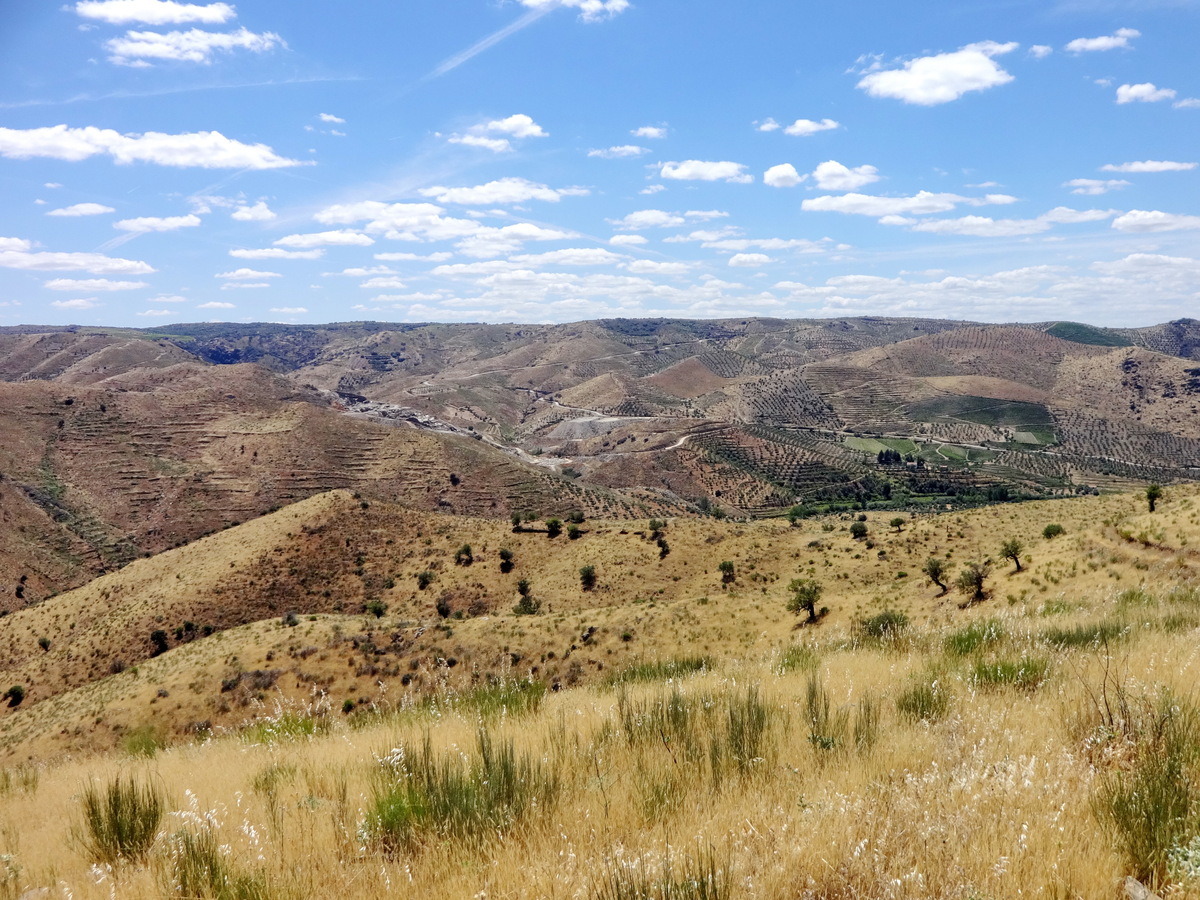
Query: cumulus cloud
x,y
517,126
1095,186
984,226
502,191
1140,221
80,303
833,176
216,304
1143,93
201,149
146,224
259,212
341,238
82,209
700,170
1040,51
650,267
806,127
489,242
573,256
331,119
1150,165
276,253
651,132
289,310
154,12
496,145
767,124
196,45
247,275
749,260
384,282
932,80
782,176
14,244
652,189
1115,41
17,257
589,10
648,218
921,204
627,240
624,151
92,285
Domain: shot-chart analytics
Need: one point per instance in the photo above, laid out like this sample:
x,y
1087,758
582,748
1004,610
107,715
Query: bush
x,y
974,637
464,556
1052,531
1027,674
971,580
15,695
858,530
574,533
926,701
199,868
425,579
806,592
377,608
120,821
553,527
728,572
506,560
797,657
886,625
587,577
527,606
145,740
575,517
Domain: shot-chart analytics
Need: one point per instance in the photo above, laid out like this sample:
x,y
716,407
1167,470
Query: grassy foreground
x,y
1042,745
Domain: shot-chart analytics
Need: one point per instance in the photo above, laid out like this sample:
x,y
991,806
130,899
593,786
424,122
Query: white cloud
x,y
519,126
700,170
201,149
921,204
651,132
739,245
1140,221
650,267
95,263
82,209
1150,165
496,145
415,257
81,303
749,260
782,176
16,245
341,238
91,285
705,215
247,275
276,253
1116,41
331,119
833,176
984,226
707,234
489,242
767,124
289,310
505,190
652,189
1143,93
216,304
622,152
154,12
627,240
171,298
158,312
259,212
361,272
1095,186
931,80
1040,51
807,127
1187,103
384,283
196,45
589,10
146,224
648,218
574,256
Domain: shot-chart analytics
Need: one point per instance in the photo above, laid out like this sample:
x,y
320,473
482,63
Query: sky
x,y
559,160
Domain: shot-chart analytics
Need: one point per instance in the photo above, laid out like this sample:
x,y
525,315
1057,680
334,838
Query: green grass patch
x,y
662,670
120,820
797,658
983,411
1078,333
1026,674
976,636
926,701
1095,634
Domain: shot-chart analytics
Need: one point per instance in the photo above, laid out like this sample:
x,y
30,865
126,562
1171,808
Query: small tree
x,y
663,547
1153,494
971,580
1052,531
858,530
158,639
897,523
15,694
527,605
515,518
554,527
523,587
656,528
464,556
587,577
377,608
805,594
574,532
935,571
575,517
728,573
506,560
425,579
1012,549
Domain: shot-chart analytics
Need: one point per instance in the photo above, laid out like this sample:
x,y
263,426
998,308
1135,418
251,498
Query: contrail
x,y
488,42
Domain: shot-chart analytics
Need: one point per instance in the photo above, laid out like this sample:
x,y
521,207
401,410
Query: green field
x,y
982,411
874,445
1087,334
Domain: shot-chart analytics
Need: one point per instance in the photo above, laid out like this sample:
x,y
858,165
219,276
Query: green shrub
x,y
1052,531
1027,674
886,625
464,556
1093,635
120,820
662,670
554,527
866,724
974,637
797,658
288,725
926,701
425,579
587,577
15,695
145,740
826,726
376,608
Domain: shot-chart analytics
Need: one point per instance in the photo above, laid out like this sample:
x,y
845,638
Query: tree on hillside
x,y
858,530
464,556
506,560
805,594
897,523
728,573
1012,549
1153,494
587,577
554,527
935,570
971,580
515,518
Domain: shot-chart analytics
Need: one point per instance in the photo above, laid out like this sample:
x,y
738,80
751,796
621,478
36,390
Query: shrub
x,y
553,527
15,695
199,868
425,579
575,517
826,726
886,625
1153,494
1052,531
926,701
797,658
806,592
120,821
158,640
1012,549
1027,674
971,580
728,572
897,523
527,606
464,556
935,570
574,533
974,637
587,577
506,560
377,608
858,530
44,643
145,740
663,548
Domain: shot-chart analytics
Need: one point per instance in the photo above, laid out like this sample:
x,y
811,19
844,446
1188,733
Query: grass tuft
x,y
120,820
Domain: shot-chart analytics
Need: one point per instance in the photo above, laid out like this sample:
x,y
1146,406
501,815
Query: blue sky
x,y
558,160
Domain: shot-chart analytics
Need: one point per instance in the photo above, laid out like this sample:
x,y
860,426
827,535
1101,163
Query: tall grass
x,y
120,820
662,670
826,726
975,637
697,878
1096,634
1027,673
199,868
927,700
